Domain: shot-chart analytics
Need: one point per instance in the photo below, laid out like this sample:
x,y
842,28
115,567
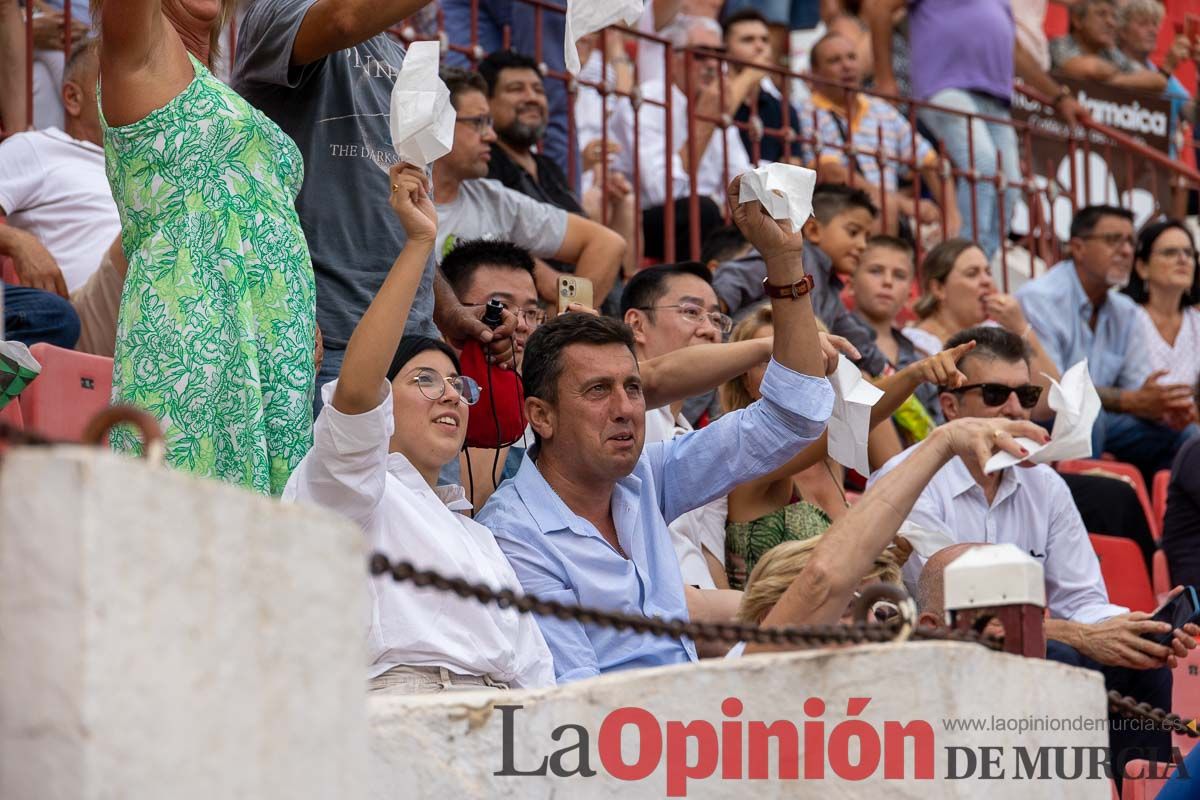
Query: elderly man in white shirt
x,y
720,155
1031,508
394,417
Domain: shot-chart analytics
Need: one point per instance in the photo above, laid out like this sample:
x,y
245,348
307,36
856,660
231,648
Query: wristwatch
x,y
792,291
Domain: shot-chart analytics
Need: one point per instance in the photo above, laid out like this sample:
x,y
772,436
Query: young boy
x,y
834,240
881,285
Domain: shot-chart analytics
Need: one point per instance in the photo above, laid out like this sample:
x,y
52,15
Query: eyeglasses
x,y
1111,239
996,394
1175,253
433,385
480,123
532,317
697,315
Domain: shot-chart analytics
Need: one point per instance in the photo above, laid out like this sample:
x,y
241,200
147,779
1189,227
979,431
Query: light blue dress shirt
x,y
1059,310
560,556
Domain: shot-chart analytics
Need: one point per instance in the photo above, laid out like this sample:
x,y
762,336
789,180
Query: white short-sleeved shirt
x,y
487,209
55,187
350,470
1033,510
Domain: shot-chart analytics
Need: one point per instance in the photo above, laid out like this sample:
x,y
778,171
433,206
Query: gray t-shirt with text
x,y
336,109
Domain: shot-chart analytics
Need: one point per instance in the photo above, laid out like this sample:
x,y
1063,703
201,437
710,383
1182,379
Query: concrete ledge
x,y
164,636
452,745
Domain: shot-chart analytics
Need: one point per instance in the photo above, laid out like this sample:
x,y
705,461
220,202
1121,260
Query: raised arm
x,y
332,25
143,58
12,68
373,343
879,18
595,251
820,593
690,371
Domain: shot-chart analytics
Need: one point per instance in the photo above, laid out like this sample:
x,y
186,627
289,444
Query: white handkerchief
x,y
1076,406
924,541
422,117
784,190
850,424
589,16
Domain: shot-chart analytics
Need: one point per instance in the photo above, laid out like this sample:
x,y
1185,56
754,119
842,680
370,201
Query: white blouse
x,y
1181,360
350,470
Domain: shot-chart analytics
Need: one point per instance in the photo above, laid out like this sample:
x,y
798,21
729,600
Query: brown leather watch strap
x,y
792,291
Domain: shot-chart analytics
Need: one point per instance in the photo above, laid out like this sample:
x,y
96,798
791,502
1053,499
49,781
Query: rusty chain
x,y
731,632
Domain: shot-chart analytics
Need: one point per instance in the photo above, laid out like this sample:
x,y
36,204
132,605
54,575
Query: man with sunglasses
x,y
1030,507
1079,312
470,206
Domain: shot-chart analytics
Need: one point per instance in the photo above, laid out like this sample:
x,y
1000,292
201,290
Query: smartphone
x,y
1192,23
574,290
1180,611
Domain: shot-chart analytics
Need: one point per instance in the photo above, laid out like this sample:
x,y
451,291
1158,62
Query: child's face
x,y
844,238
882,282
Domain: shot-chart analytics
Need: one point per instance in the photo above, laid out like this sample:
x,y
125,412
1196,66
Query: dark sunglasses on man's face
x,y
996,394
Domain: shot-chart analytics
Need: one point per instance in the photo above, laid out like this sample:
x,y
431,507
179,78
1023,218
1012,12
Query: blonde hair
x,y
1151,9
779,567
734,394
214,37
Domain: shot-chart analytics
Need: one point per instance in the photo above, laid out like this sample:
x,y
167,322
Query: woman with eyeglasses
x,y
1165,283
958,293
394,417
770,510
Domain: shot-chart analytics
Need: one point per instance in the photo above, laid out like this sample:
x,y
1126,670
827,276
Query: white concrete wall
x,y
450,746
167,637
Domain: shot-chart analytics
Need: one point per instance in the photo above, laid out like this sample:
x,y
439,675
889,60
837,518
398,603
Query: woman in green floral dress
x,y
216,329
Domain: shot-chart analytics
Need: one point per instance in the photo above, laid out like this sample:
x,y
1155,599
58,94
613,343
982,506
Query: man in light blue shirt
x,y
585,520
1079,313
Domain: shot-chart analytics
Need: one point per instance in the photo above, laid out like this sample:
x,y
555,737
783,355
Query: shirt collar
x,y
960,481
860,106
451,495
548,510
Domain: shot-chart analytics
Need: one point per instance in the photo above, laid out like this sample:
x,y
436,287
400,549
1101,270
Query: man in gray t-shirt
x,y
323,70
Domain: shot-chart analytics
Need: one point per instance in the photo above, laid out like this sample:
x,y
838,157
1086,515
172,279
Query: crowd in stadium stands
x,y
209,234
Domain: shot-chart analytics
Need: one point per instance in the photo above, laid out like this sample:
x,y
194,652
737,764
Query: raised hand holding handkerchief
x,y
785,191
1076,405
422,117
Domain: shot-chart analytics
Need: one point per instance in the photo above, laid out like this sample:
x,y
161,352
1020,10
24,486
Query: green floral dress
x,y
745,542
217,323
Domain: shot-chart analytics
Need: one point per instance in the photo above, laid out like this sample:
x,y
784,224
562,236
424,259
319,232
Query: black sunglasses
x,y
995,394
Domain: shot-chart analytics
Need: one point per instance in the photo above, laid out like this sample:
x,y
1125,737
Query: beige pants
x,y
98,302
430,680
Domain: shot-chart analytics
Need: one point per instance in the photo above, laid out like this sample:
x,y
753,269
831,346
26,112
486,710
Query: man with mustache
x,y
520,114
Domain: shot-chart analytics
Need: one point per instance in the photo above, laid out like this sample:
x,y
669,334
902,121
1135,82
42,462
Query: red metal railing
x,y
1040,194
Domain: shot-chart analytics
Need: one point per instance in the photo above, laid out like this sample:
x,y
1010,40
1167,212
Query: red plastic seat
x,y
1158,496
1124,572
1126,472
8,273
1144,779
72,388
11,414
